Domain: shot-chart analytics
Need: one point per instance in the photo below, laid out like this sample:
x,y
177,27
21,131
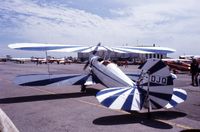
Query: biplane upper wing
x,y
86,49
145,50
48,47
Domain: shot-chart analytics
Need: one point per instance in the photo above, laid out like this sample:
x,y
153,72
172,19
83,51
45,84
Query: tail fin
x,y
156,80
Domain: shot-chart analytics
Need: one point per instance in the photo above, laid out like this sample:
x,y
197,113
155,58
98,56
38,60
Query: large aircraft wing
x,y
87,49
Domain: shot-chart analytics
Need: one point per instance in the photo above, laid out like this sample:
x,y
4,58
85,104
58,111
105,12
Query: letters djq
x,y
158,79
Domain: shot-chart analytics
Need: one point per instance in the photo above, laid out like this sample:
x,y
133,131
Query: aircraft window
x,y
100,59
178,62
106,62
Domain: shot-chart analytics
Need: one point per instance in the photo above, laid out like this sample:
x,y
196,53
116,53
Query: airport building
x,y
123,56
134,57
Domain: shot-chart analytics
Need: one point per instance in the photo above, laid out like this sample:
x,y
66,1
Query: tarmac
x,y
65,109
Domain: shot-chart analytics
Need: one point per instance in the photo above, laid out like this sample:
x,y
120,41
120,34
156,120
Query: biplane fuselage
x,y
109,74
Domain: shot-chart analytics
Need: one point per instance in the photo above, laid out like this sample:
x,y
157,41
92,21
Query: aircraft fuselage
x,y
109,74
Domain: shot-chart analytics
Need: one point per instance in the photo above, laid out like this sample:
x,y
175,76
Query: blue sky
x,y
171,23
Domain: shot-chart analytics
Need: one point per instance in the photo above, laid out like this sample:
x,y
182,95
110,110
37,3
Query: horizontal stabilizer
x,y
121,98
179,96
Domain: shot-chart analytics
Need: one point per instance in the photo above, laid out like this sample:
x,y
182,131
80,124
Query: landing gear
x,y
148,98
83,88
149,109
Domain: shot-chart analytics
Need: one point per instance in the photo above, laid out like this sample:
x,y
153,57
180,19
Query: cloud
x,y
170,23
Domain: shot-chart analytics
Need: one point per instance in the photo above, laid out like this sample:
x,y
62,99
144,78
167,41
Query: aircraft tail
x,y
156,82
154,86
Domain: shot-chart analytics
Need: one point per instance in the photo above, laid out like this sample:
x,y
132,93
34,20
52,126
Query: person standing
x,y
194,69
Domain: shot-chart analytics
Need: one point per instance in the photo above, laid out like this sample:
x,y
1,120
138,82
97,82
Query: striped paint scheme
x,y
161,95
55,79
131,98
126,94
87,49
179,96
126,98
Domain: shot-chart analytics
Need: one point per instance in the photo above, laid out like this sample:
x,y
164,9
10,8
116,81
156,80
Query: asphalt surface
x,y
65,109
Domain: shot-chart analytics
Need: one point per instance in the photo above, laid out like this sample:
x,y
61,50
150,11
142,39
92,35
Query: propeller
x,y
93,53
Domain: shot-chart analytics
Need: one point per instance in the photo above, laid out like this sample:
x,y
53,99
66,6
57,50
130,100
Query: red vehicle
x,y
178,65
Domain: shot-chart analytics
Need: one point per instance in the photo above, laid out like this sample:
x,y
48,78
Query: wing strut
x,y
147,98
47,63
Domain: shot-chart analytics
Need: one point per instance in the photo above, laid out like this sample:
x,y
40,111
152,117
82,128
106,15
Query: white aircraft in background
x,y
39,60
190,57
62,61
20,60
129,92
50,60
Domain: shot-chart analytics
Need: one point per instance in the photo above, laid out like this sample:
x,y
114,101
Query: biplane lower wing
x,y
55,79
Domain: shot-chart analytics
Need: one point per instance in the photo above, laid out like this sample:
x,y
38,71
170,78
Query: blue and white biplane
x,y
152,88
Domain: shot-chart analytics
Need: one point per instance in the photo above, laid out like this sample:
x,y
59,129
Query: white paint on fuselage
x,y
110,74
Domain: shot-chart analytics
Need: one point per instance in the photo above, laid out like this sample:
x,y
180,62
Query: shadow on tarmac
x,y
141,118
90,92
191,130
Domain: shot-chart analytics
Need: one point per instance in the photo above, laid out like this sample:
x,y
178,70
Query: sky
x,y
170,23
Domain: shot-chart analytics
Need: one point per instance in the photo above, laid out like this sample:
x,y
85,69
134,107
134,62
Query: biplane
x,y
152,88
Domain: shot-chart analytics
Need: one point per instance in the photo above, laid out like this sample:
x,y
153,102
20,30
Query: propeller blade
x,y
86,65
94,52
96,48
